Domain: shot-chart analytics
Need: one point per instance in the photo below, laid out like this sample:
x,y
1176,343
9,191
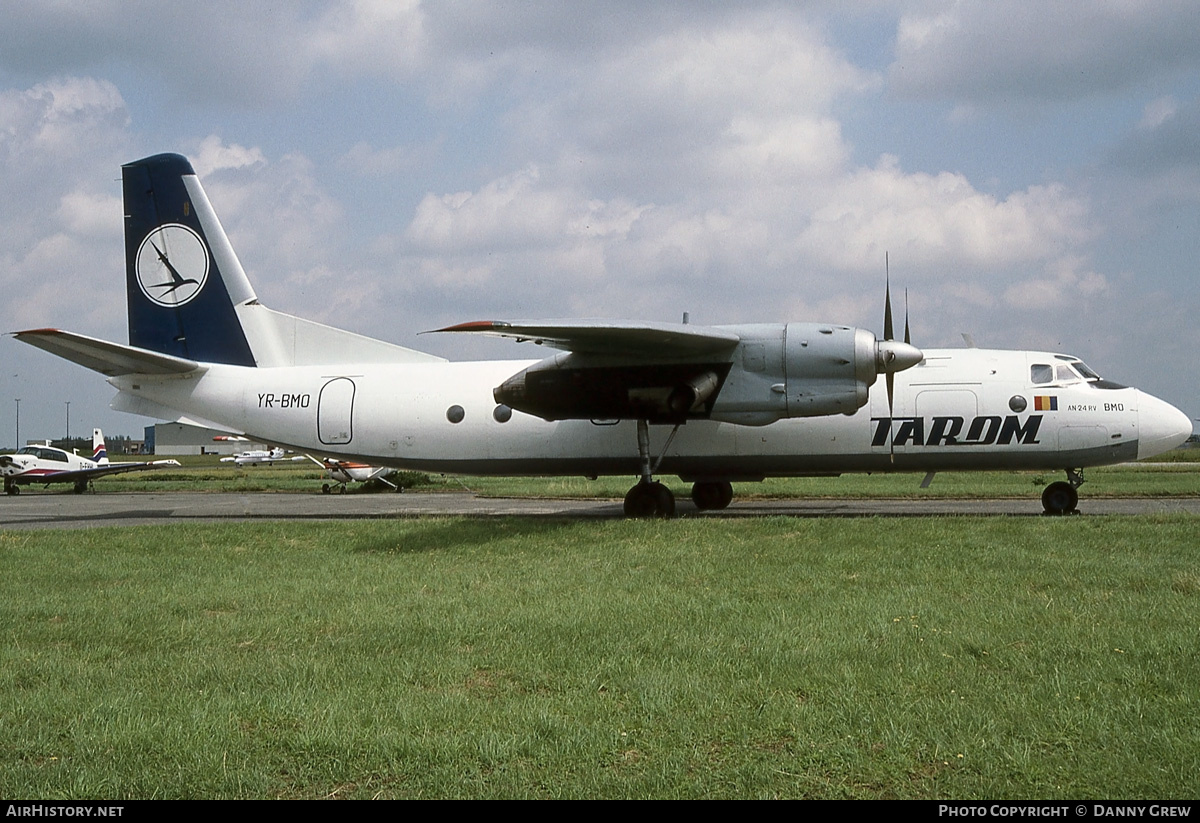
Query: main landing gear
x,y
713,494
1062,497
12,489
650,498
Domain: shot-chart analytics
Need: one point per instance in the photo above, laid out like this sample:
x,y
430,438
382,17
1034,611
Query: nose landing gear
x,y
1062,497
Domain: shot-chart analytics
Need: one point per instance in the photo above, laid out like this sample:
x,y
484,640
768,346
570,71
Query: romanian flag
x,y
1045,402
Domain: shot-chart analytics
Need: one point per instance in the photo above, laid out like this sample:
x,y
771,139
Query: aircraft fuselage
x,y
959,409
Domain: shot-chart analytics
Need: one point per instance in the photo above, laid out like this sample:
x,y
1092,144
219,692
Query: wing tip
x,y
35,332
472,325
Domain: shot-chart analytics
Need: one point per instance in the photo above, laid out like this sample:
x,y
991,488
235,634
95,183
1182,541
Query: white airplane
x,y
345,472
256,457
713,405
46,464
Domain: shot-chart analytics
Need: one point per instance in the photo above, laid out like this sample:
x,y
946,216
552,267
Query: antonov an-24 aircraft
x,y
713,405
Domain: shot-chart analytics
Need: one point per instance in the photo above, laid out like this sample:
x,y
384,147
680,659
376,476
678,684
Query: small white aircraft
x,y
46,464
345,472
713,405
256,457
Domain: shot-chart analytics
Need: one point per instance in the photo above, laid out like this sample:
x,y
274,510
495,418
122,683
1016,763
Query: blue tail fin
x,y
183,279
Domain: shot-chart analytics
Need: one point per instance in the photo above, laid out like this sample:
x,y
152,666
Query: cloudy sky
x,y
1032,169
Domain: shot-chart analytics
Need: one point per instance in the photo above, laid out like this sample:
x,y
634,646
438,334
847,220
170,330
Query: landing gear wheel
x,y
650,500
81,487
12,489
716,494
324,488
1060,498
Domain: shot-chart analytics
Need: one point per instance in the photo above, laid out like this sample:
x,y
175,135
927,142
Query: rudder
x,y
99,453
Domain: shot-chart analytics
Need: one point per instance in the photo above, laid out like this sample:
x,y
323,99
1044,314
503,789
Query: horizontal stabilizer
x,y
111,359
639,339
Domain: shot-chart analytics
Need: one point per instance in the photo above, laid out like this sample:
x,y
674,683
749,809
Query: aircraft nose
x,y
1161,426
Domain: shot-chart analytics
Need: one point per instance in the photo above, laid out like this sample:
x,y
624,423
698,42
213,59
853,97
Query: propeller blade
x,y
891,384
887,302
889,334
907,336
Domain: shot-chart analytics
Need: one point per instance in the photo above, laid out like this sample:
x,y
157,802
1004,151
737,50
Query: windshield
x,y
1071,371
1083,369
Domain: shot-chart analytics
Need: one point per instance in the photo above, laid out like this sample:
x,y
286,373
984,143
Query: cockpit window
x,y
1041,373
1087,373
1065,374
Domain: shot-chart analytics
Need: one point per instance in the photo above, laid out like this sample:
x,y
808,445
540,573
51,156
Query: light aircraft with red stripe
x,y
45,464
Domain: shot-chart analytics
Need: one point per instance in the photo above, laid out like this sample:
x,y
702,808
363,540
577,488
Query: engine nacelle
x,y
804,370
828,369
771,372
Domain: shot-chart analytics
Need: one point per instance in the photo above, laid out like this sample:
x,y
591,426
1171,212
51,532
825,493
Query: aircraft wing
x,y
642,340
110,359
663,372
107,469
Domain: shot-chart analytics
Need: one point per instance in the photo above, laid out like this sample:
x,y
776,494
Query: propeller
x,y
893,356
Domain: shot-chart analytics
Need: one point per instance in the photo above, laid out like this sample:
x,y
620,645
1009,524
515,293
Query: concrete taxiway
x,y
63,510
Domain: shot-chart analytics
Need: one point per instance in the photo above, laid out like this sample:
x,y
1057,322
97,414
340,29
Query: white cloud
x,y
60,217
940,220
995,50
373,37
1066,282
762,65
516,210
57,121
1158,111
1166,145
365,160
782,151
212,155
91,215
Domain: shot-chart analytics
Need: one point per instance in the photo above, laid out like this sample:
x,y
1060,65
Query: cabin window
x,y
1041,373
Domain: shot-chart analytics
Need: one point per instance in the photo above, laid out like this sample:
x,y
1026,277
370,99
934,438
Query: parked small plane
x,y
344,472
713,405
256,457
46,464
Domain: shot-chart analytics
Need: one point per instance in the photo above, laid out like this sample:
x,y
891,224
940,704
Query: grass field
x,y
927,658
